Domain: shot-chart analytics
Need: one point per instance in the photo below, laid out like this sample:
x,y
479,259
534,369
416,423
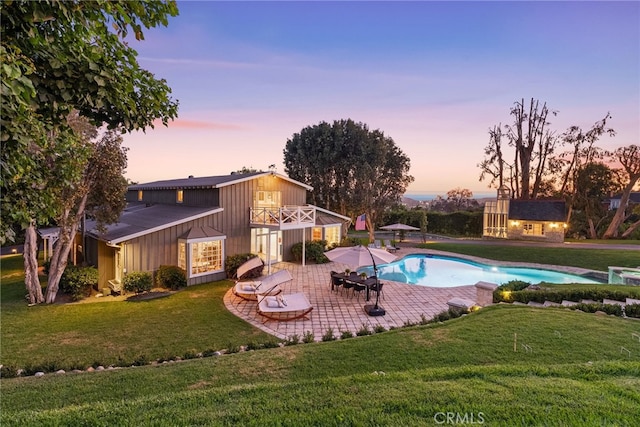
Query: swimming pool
x,y
443,272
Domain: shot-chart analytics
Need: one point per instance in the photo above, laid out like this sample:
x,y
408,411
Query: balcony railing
x,y
285,218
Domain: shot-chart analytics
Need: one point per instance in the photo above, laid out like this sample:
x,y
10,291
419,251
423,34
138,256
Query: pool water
x,y
443,272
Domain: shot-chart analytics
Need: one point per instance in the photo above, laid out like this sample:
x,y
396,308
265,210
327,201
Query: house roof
x,y
210,181
634,197
139,219
538,210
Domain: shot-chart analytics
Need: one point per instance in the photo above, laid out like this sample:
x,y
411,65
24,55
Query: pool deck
x,y
340,311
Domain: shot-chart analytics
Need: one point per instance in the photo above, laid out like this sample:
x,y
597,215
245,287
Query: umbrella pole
x,y
375,310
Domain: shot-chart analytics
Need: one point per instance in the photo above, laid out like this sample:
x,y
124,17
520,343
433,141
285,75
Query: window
x,y
179,196
206,257
198,258
332,234
316,233
533,229
139,195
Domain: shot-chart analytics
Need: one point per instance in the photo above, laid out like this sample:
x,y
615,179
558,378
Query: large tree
x,y
352,169
58,57
529,162
629,159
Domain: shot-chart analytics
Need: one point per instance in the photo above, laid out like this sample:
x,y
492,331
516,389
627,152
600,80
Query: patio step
x,y
613,302
535,304
566,303
551,304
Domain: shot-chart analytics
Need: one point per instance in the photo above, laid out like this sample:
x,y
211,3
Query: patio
x,y
338,311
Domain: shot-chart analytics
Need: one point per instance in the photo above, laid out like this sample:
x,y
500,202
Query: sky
x,y
433,76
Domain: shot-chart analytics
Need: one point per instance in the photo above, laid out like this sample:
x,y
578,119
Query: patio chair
x,y
268,285
284,307
359,289
389,246
336,281
377,244
377,287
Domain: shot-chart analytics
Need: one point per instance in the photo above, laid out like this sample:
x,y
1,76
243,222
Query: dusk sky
x,y
433,76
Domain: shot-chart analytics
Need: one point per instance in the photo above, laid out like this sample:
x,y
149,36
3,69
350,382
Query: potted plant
x,y
347,271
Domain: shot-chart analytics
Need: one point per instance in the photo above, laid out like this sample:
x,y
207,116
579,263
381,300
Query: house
x,y
540,220
614,202
196,222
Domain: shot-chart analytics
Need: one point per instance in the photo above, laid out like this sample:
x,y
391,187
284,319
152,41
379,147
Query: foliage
x,y
576,294
78,281
308,337
137,281
352,169
456,223
632,310
629,158
363,331
328,335
171,277
537,169
346,335
314,251
232,263
458,199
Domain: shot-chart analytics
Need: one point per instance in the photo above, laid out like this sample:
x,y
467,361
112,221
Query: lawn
x,y
503,365
107,332
572,372
594,259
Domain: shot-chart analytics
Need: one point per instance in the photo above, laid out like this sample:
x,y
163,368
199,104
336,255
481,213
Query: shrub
x,y
363,331
171,277
272,343
8,371
253,346
632,310
293,340
346,334
379,328
137,281
308,337
78,281
232,348
209,352
328,336
190,354
232,263
141,360
314,251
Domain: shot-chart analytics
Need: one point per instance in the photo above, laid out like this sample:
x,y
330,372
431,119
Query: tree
x,y
593,183
629,158
353,170
98,193
58,57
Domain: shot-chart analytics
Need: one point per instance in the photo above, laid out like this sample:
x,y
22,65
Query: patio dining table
x,y
368,282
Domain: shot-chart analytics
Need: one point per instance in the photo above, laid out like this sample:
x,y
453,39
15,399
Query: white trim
x,y
346,218
163,226
204,239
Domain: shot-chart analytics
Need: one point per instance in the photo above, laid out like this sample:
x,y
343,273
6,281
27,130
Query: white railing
x,y
286,217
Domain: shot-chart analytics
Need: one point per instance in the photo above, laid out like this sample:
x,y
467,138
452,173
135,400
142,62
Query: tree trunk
x,y
618,218
592,229
31,280
59,261
631,229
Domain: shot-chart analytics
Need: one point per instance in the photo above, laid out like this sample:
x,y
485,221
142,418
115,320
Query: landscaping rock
x,y
60,371
38,374
90,369
100,368
600,313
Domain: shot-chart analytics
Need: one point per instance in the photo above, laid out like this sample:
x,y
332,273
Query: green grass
x,y
575,374
81,334
576,369
594,259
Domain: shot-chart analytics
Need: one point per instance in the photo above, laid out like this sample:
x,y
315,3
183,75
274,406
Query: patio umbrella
x,y
399,227
358,256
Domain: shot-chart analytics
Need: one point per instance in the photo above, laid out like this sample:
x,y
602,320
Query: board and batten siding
x,y
148,252
237,199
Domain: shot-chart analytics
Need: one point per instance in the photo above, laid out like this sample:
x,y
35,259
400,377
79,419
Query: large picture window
x,y
201,257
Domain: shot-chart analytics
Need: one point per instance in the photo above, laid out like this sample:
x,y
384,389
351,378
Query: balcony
x,y
283,218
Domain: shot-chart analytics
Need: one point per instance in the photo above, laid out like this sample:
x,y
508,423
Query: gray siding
x,y
192,197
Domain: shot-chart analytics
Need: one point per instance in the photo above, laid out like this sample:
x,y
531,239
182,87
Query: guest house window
x,y
139,195
533,229
179,196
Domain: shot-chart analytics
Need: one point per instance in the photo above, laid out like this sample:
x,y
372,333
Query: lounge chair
x,y
284,307
389,246
268,285
377,244
247,266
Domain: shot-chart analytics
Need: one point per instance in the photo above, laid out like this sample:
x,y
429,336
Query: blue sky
x,y
434,76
